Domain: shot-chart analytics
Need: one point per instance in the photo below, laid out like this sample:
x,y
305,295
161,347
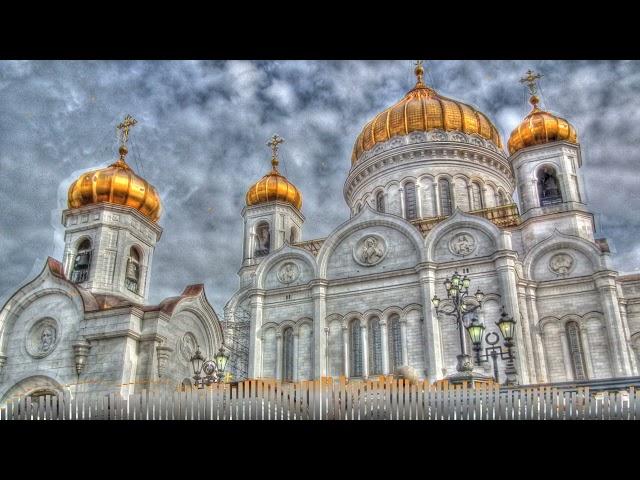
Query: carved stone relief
x,y
561,263
42,338
288,273
462,244
370,250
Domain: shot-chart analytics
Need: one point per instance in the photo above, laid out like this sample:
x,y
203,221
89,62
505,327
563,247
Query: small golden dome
x,y
274,186
422,109
116,184
540,127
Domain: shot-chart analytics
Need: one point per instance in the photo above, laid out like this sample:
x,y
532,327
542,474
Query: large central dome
x,y
422,109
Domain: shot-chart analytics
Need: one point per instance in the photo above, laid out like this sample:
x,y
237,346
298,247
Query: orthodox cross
x,y
275,141
124,127
419,71
530,80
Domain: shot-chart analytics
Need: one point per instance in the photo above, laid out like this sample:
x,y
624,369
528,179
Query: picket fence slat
x,y
334,399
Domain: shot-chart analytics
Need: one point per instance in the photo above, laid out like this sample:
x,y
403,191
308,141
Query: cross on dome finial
x,y
123,134
274,143
419,71
530,80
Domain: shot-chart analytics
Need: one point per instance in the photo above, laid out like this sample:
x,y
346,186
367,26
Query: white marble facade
x,y
366,291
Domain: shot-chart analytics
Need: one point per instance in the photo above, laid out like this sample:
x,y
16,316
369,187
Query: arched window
x,y
355,337
293,238
375,346
476,194
502,198
395,343
287,356
82,262
548,186
263,239
410,207
132,277
444,190
380,202
575,349
186,385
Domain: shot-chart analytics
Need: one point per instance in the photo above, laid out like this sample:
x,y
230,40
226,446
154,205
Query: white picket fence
x,y
326,399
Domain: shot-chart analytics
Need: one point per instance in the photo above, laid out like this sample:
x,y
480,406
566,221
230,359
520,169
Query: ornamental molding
x,y
431,145
42,338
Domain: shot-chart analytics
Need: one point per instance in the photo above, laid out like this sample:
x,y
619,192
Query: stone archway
x,y
35,386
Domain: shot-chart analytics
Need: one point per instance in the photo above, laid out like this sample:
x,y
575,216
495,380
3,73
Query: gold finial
x,y
419,71
530,80
123,134
275,141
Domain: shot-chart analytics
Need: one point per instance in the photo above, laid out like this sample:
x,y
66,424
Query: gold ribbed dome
x,y
116,184
540,127
274,186
422,109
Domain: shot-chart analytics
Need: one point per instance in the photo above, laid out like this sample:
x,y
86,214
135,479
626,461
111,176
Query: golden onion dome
x,y
540,127
116,184
274,186
423,109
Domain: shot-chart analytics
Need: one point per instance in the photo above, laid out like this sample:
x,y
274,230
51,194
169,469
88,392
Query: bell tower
x,y
111,228
545,156
272,216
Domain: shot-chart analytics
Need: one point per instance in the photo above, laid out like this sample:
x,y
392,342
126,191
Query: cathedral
x,y
433,194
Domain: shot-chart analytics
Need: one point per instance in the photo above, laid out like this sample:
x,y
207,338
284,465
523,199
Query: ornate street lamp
x,y
506,325
460,305
213,369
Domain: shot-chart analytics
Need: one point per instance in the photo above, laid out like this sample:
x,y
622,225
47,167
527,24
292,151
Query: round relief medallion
x,y
188,346
42,338
370,250
288,273
561,263
462,244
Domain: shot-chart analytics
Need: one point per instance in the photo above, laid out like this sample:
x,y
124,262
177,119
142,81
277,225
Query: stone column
x,y
255,339
605,282
319,294
436,194
527,331
566,355
365,350
627,334
505,265
586,351
384,344
279,356
296,354
345,349
433,345
538,345
403,341
402,205
419,199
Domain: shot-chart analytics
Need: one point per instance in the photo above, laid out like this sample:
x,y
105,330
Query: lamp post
x,y
213,369
460,305
506,325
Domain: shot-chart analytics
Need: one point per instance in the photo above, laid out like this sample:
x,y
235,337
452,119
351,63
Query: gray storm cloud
x,y
201,141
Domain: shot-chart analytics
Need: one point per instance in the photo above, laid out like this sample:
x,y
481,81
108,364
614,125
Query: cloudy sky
x,y
201,141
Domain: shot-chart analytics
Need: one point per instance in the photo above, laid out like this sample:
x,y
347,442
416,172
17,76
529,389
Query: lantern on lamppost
x,y
506,324
213,369
459,305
